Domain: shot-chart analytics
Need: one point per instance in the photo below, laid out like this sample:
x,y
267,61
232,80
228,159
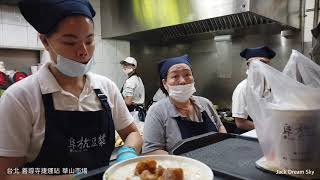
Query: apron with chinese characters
x,y
76,139
190,128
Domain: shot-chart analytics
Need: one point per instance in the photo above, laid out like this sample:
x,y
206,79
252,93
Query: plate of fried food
x,y
159,167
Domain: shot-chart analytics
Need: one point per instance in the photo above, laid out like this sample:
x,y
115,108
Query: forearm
x,y
222,129
157,152
244,124
134,140
128,100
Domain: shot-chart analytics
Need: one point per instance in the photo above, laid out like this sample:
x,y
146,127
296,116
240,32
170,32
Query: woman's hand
x,y
131,137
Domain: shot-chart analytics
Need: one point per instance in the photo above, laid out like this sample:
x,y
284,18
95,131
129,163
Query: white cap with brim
x,y
129,60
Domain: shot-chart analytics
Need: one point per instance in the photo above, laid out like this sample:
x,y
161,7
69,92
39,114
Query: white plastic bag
x,y
287,120
303,69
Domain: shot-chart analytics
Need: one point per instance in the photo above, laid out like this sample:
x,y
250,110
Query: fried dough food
x,y
148,170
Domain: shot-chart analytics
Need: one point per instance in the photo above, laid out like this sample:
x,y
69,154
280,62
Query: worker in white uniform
x,y
239,105
156,97
133,91
315,51
159,95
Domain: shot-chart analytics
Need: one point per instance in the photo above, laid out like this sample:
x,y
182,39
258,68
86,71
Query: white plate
x,y
192,169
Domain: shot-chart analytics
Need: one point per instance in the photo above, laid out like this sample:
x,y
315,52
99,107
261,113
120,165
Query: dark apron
x,y
189,128
76,139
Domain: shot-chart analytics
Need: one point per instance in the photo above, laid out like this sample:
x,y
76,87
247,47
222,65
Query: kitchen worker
x,y
156,97
159,95
63,116
239,105
180,115
315,51
133,90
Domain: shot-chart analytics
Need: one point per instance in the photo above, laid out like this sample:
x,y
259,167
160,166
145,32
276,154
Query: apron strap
x,y
128,78
104,101
208,121
48,103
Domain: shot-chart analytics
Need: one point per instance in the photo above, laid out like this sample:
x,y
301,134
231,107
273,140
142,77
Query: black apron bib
x,y
76,139
189,128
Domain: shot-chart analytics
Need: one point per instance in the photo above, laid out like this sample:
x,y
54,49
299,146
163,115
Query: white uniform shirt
x,y
159,95
134,87
239,103
22,117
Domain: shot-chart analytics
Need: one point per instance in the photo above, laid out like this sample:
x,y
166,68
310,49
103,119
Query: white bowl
x,y
192,169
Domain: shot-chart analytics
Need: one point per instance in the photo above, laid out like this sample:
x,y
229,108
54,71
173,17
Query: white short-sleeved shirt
x,y
134,87
22,117
239,103
159,95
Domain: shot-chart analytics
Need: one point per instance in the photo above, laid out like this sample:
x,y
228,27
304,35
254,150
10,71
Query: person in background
x,y
159,95
239,105
133,91
156,97
315,51
180,115
63,116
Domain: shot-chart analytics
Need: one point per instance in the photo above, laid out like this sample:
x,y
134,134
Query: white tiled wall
x,y
108,53
15,32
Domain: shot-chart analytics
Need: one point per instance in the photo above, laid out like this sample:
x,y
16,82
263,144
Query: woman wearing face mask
x,y
133,91
181,115
63,116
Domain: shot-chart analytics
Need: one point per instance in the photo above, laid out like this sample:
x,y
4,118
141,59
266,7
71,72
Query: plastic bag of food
x,y
303,69
286,118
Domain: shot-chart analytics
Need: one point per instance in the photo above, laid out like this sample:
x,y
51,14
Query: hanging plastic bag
x,y
303,69
287,118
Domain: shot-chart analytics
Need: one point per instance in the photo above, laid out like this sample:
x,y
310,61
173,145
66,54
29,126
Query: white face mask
x,y
72,68
127,70
181,93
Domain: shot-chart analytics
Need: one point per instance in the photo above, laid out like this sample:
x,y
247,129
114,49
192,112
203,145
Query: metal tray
x,y
229,156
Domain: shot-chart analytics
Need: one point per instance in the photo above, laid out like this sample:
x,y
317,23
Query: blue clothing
x,y
165,64
44,15
263,51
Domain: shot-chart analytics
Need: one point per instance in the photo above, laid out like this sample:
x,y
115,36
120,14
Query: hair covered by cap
x,y
44,15
130,60
165,64
263,51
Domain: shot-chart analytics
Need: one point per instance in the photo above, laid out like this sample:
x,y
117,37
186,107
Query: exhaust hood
x,y
167,20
